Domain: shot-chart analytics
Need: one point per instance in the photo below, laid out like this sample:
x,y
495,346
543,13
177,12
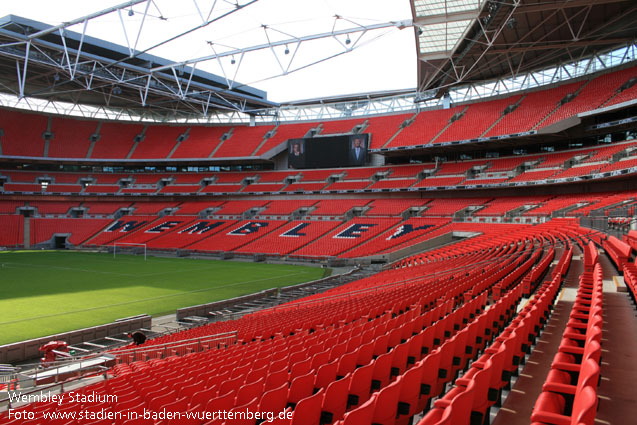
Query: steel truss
x,y
161,90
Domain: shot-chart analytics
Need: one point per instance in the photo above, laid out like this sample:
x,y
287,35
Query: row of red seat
x,y
570,390
470,400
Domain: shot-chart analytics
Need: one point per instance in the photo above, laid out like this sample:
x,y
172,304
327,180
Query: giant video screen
x,y
328,151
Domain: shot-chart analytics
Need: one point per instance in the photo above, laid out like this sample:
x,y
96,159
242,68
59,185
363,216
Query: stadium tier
x,y
71,138
496,171
289,237
242,142
78,229
346,236
402,334
285,207
199,142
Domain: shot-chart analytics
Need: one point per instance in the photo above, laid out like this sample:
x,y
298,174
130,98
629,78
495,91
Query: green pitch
x,y
43,293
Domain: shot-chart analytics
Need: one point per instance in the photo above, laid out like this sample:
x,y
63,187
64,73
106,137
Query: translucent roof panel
x,y
442,24
444,7
442,37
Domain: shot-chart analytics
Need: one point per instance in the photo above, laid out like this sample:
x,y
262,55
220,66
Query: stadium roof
x,y
464,41
466,48
106,73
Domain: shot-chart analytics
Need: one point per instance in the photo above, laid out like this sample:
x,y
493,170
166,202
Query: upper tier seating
x,y
159,141
532,109
425,127
283,132
476,120
22,133
243,141
340,126
383,128
200,143
71,138
116,140
592,95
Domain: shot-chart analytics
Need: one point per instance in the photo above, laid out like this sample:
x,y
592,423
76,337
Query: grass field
x,y
43,293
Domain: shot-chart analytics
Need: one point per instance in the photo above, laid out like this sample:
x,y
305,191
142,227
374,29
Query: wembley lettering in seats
x,y
295,232
125,226
167,225
201,227
355,231
405,229
248,228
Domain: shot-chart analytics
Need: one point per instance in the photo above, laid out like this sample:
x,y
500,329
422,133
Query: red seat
x,y
429,381
458,411
326,374
382,370
362,415
335,400
360,388
274,400
300,388
308,410
549,408
386,405
249,391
